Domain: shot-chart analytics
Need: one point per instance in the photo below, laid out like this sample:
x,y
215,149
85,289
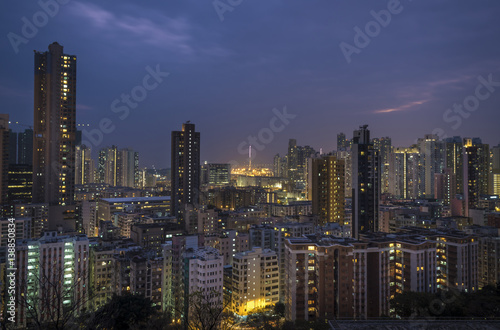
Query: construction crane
x,y
31,126
18,123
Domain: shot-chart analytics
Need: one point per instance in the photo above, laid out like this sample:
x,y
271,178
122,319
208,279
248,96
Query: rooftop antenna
x,y
250,158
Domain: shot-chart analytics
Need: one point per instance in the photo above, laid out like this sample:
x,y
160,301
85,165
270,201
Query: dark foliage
x,y
484,303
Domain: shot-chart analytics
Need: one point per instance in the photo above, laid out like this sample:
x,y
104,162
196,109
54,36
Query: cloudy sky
x,y
231,62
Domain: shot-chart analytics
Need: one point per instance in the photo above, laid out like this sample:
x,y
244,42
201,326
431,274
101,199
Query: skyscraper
x,y
54,127
107,167
280,166
20,184
216,174
128,168
445,186
346,155
84,165
432,159
495,170
365,183
404,173
454,160
4,154
118,167
277,165
297,162
342,142
54,136
292,159
328,189
185,176
25,147
476,158
12,147
384,147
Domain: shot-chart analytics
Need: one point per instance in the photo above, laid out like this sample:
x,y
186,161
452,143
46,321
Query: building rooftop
x,y
263,252
322,240
203,253
137,199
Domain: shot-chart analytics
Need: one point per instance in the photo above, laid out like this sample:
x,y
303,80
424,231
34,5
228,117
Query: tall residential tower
x,y
365,183
54,133
4,152
185,180
54,127
328,189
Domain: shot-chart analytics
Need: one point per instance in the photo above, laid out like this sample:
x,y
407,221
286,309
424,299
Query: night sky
x,y
230,66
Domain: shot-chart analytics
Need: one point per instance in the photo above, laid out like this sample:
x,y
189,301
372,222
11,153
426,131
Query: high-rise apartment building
x,y
25,147
12,147
455,161
146,278
280,168
118,167
185,176
216,174
202,279
342,142
386,265
128,168
384,147
432,161
297,162
4,154
445,186
489,261
52,276
262,236
20,184
328,189
39,215
346,155
495,170
292,159
84,165
457,261
284,231
101,274
107,166
88,215
319,278
255,280
476,157
365,183
404,171
54,127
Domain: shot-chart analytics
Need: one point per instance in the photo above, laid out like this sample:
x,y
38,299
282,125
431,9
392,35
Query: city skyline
x,y
250,165
227,79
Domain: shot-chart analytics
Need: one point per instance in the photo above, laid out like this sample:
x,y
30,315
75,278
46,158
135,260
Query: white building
x,y
203,279
255,280
53,274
